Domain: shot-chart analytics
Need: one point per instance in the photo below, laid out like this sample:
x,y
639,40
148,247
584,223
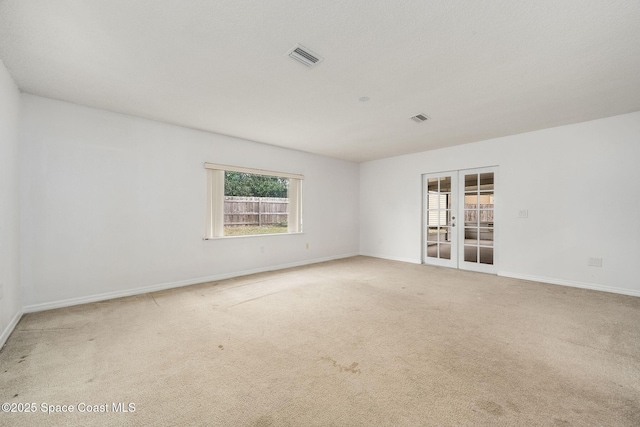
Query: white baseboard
x,y
163,286
571,283
392,258
549,280
10,327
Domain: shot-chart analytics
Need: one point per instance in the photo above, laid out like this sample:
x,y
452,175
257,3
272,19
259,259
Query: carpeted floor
x,y
354,342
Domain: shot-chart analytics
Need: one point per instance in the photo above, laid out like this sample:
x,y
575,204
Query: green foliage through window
x,y
251,185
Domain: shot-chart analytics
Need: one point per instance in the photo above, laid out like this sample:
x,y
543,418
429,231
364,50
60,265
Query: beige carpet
x,y
355,342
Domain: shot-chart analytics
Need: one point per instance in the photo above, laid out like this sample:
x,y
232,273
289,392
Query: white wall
x,y
114,204
10,304
580,183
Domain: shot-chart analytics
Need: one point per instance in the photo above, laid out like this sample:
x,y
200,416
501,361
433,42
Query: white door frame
x,y
457,225
477,266
442,220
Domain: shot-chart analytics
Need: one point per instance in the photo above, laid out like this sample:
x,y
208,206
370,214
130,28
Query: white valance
x,y
215,166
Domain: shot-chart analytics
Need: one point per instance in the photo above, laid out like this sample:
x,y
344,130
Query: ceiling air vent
x,y
420,118
304,56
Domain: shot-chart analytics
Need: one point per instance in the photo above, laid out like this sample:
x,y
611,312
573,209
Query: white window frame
x,y
215,198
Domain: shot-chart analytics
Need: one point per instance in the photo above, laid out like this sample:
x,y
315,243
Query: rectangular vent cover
x,y
420,118
304,56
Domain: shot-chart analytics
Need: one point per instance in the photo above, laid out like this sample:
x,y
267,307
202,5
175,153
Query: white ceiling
x,y
478,69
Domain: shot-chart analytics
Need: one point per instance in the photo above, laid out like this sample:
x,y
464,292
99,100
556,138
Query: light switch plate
x,y
594,262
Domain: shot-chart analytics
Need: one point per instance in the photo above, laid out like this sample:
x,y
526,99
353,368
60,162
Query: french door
x,y
459,223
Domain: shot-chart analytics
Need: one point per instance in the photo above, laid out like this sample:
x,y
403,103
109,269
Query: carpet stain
x,y
221,347
558,422
513,406
491,407
264,421
353,368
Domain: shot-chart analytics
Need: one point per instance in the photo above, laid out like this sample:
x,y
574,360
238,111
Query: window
x,y
243,201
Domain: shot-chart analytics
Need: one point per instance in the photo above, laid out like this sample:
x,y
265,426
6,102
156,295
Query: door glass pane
x,y
438,201
436,217
486,198
470,200
445,251
486,255
470,253
485,217
471,182
470,218
445,184
432,185
433,201
432,234
485,236
486,181
470,235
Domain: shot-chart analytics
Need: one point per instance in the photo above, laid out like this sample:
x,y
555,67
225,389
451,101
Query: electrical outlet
x,y
594,262
523,213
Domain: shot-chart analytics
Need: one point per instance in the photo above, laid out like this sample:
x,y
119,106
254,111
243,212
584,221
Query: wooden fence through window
x,y
255,210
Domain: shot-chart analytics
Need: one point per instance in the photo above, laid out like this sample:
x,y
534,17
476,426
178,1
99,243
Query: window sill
x,y
251,235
